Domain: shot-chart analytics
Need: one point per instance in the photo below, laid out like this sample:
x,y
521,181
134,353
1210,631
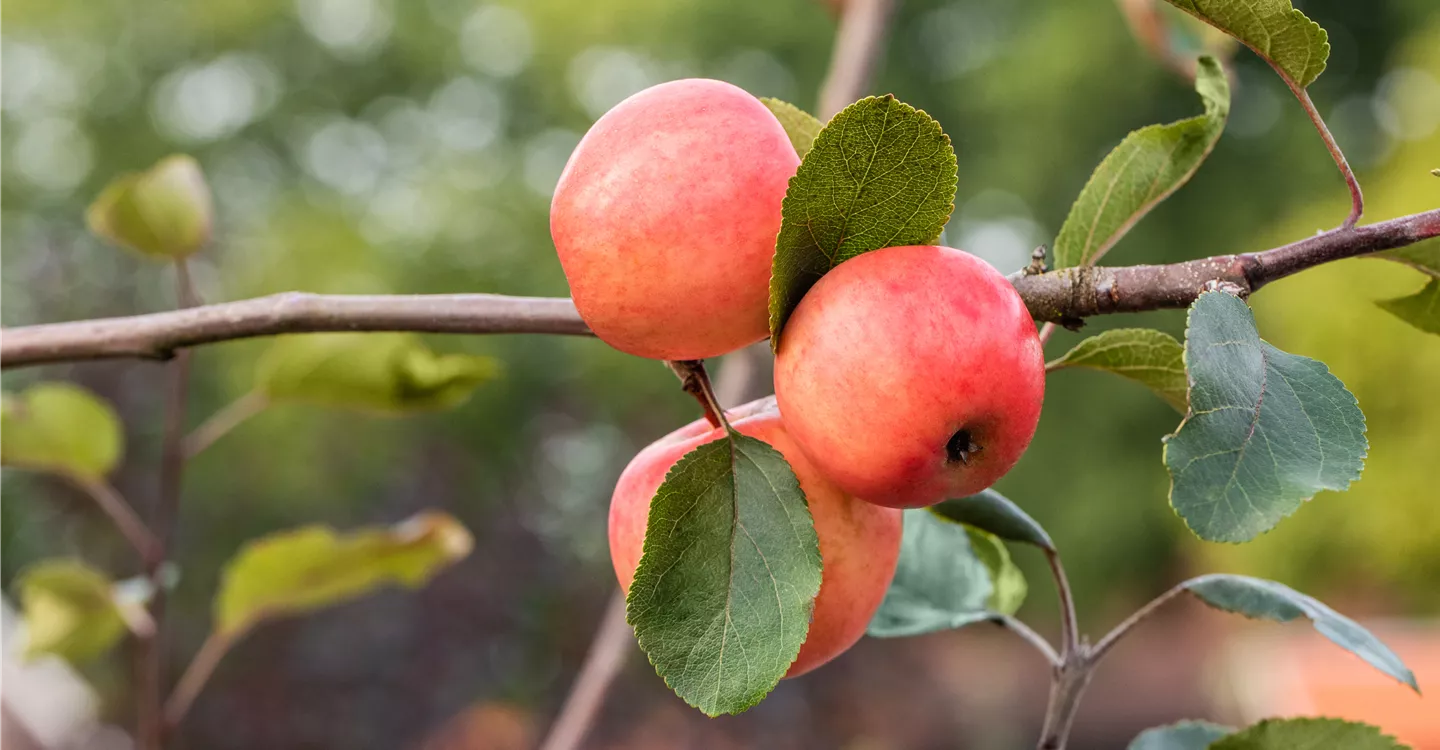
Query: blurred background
x,y
412,146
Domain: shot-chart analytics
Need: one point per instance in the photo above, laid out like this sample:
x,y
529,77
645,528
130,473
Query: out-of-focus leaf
x,y
163,212
387,372
940,582
299,571
1185,735
801,126
1293,44
1145,169
1149,357
990,511
1308,734
61,428
880,174
70,610
723,594
1261,599
1421,309
1266,429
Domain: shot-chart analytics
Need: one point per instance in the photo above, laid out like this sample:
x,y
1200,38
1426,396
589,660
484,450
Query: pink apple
x,y
665,219
859,542
911,374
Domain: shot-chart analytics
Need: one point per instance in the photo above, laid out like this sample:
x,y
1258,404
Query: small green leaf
x,y
302,570
1293,44
880,174
70,610
163,212
801,126
1185,735
1421,309
722,598
61,428
992,512
1308,734
949,575
1261,599
387,372
1145,169
1424,257
1266,429
1151,358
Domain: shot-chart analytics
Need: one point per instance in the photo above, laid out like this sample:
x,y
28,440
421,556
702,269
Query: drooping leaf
x,y
1149,357
1261,599
1308,734
1145,169
880,174
164,212
1424,257
387,372
722,597
949,575
992,512
801,126
1421,309
1184,735
61,428
1266,429
70,610
310,568
1293,44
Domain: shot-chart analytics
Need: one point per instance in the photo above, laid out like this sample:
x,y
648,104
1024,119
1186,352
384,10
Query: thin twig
x,y
197,673
1119,631
1072,674
693,381
1045,332
1357,200
124,517
222,422
859,45
602,664
1069,629
1032,637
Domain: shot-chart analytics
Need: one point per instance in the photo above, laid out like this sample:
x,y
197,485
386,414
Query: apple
x,y
859,542
665,219
911,374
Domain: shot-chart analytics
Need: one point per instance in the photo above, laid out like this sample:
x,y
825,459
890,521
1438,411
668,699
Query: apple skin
x,y
891,355
665,219
859,542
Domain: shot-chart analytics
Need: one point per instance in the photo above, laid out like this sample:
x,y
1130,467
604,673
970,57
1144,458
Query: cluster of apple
x,y
905,376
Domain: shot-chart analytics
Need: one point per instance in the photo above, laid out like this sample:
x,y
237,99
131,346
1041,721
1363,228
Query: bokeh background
x,y
412,146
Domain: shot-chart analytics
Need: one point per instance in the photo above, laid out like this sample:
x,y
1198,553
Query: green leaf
x,y
302,570
61,428
994,513
1308,734
1145,169
70,610
722,598
1424,257
1185,735
949,575
1293,44
880,174
1151,358
1261,599
801,126
164,212
1266,429
387,372
1421,309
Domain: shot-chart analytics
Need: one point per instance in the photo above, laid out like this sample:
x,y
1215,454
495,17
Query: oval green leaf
x,y
994,513
302,570
60,428
880,174
1308,734
70,610
1145,169
1185,735
1292,43
721,600
801,126
1421,309
1261,599
1149,357
1266,429
164,212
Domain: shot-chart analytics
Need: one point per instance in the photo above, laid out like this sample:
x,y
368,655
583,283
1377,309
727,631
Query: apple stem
x,y
695,381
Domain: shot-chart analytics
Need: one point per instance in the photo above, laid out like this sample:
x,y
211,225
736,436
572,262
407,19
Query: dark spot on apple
x,y
961,447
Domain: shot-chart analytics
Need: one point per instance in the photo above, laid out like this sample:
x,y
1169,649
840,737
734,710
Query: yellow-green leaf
x,y
1292,43
306,569
1421,309
163,212
801,126
61,428
1149,357
388,372
70,610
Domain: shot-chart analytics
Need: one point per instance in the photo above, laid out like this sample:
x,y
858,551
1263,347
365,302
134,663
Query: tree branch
x,y
1064,296
859,44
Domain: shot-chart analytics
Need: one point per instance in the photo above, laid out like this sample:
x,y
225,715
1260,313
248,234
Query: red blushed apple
x,y
911,374
859,542
665,219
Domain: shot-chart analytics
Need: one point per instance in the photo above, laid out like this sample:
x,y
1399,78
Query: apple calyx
x,y
961,446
